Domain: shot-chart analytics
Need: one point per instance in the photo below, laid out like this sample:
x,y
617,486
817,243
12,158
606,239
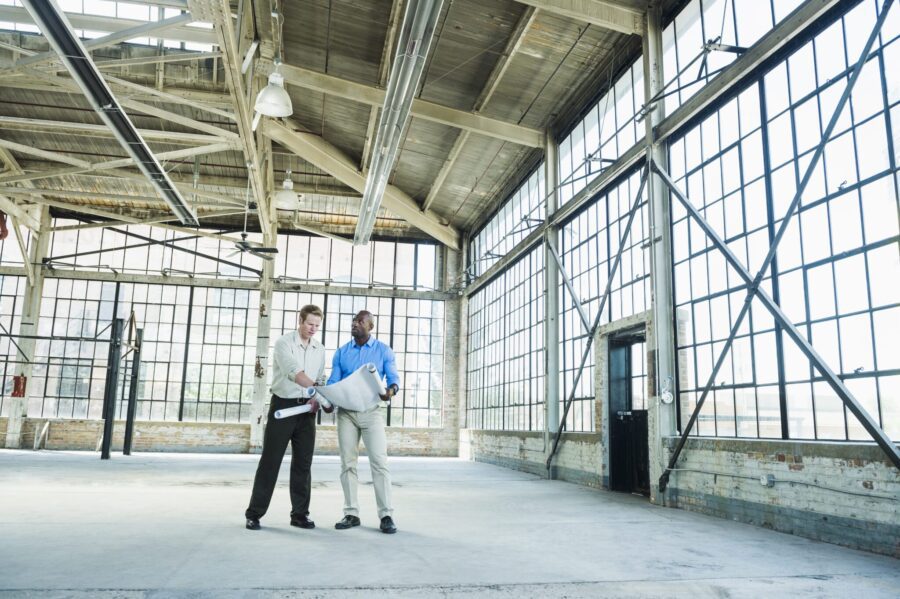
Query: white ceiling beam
x,y
601,13
119,84
119,163
166,115
512,46
328,158
164,58
122,30
23,248
374,96
45,154
28,217
218,12
93,211
9,207
42,125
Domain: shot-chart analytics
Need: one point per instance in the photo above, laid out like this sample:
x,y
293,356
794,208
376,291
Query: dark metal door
x,y
629,466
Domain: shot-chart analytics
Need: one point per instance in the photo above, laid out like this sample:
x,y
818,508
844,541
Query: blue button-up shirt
x,y
350,356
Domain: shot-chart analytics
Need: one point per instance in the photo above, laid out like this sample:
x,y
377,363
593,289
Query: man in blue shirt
x,y
364,349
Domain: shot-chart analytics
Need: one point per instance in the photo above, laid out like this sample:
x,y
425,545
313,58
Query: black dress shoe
x,y
253,524
387,525
302,522
347,522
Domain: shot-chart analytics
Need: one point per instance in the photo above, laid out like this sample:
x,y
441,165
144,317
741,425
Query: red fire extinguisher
x,y
19,385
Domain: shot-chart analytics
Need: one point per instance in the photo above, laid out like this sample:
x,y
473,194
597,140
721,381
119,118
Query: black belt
x,y
294,401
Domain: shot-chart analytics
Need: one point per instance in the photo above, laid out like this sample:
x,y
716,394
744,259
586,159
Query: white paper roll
x,y
309,393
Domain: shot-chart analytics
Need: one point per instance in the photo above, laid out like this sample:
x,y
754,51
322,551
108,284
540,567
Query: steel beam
x,y
374,96
742,68
662,416
42,125
614,267
753,284
512,47
608,15
122,30
328,158
218,12
551,294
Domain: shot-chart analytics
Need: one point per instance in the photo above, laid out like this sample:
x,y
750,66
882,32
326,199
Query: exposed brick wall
x,y
216,437
729,487
577,459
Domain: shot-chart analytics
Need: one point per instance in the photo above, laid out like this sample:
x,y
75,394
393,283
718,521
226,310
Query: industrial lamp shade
x,y
285,198
273,100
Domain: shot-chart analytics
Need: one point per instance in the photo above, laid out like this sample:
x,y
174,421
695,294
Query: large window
x,y
141,249
390,264
588,245
608,129
519,215
133,13
506,349
837,268
11,293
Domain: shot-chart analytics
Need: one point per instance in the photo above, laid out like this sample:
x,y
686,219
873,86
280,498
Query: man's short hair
x,y
310,309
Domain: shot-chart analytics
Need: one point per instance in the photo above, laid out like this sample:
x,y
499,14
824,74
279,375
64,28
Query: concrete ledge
x,y
877,537
839,450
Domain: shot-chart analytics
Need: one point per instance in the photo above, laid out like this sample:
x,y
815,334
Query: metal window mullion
x,y
834,381
598,319
770,228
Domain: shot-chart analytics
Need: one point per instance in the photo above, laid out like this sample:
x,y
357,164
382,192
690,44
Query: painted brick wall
x,y
216,437
843,493
577,459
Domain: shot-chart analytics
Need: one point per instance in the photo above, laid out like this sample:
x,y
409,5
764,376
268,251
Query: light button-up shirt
x,y
290,357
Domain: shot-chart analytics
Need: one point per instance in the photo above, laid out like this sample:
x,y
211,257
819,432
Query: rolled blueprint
x,y
358,392
308,392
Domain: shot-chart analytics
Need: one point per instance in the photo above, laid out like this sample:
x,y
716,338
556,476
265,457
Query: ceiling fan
x,y
252,247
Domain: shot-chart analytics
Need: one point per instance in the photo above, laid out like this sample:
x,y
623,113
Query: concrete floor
x,y
164,525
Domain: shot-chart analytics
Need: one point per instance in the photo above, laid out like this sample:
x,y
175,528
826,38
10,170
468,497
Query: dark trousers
x,y
301,432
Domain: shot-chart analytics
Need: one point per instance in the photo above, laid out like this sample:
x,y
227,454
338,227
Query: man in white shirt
x,y
298,363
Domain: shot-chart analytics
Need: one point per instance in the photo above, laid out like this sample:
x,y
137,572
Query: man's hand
x,y
313,406
388,394
303,380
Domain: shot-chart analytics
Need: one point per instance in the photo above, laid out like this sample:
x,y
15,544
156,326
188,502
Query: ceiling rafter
x,y
323,155
374,96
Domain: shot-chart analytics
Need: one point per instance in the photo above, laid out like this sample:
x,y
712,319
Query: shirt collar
x,y
313,342
368,343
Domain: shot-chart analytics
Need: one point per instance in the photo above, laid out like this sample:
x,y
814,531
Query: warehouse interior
x,y
638,261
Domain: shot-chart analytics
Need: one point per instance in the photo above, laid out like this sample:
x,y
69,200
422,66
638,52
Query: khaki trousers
x,y
370,426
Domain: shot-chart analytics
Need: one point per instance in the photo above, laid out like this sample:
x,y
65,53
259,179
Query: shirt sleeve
x,y
390,368
320,375
285,360
336,373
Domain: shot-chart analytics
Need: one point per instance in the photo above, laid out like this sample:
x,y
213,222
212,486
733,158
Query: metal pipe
x,y
132,392
109,391
412,48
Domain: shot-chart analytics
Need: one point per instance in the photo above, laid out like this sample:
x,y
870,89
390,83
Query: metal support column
x,y
132,391
28,328
263,333
663,413
551,297
753,283
109,390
